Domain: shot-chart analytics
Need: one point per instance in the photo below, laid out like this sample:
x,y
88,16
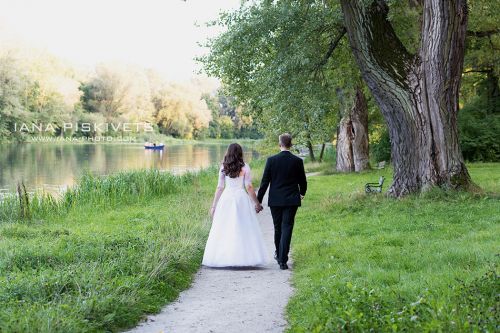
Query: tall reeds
x,y
122,187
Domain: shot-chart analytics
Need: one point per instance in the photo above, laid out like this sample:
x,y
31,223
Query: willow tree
x,y
285,60
417,93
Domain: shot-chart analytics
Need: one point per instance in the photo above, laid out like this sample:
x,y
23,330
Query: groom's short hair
x,y
285,140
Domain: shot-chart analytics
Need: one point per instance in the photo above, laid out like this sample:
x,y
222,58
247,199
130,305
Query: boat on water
x,y
154,146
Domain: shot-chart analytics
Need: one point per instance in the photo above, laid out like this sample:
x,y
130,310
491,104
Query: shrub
x,y
381,150
479,128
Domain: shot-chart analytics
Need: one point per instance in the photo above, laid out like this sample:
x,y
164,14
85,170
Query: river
x,y
54,166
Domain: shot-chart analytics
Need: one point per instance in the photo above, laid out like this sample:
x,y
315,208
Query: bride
x,y
235,238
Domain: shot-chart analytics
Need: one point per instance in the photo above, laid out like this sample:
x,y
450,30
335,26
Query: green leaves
x,y
275,58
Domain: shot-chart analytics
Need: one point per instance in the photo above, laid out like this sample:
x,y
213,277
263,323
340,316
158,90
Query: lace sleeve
x,y
221,178
247,174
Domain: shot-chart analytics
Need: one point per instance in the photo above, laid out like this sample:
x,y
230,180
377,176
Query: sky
x,y
158,34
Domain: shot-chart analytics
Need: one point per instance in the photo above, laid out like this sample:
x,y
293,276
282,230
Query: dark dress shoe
x,y
283,266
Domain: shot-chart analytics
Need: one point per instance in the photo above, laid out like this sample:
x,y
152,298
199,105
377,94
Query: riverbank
x,y
55,166
422,263
110,251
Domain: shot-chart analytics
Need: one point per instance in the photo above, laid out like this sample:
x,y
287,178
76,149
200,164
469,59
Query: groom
x,y
285,172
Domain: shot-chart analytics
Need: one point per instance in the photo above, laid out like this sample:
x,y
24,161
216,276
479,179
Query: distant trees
x,y
13,86
28,94
229,120
43,90
181,112
105,93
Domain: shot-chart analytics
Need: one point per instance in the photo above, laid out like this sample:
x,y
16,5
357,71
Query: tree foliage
x,y
37,88
33,92
180,112
276,57
479,124
229,120
479,118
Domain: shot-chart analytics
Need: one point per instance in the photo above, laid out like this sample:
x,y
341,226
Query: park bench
x,y
380,165
375,187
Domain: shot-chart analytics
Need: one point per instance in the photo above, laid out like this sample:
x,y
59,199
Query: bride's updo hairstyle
x,y
233,161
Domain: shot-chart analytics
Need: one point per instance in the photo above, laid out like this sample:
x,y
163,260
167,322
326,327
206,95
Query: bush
x,y
479,128
381,150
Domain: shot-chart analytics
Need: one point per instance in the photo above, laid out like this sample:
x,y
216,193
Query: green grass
x,y
110,251
117,247
371,263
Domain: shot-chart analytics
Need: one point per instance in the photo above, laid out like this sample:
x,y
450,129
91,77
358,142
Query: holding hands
x,y
258,208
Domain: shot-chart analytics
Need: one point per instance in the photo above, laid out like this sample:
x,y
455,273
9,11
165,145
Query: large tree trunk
x,y
345,159
359,118
417,95
352,137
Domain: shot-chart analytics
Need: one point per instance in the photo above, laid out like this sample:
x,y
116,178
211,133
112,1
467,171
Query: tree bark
x,y
352,137
311,151
345,159
417,94
359,118
322,152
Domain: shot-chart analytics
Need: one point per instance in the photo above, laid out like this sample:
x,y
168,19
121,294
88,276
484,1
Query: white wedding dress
x,y
235,238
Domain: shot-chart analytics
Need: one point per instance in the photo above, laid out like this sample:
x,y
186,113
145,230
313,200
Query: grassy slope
x,y
101,265
420,263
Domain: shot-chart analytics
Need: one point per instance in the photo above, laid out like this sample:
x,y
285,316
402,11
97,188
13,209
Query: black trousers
x,y
283,219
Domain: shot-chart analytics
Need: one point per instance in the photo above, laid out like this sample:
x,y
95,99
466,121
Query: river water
x,y
54,166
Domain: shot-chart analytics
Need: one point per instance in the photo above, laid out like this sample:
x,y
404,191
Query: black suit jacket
x,y
285,173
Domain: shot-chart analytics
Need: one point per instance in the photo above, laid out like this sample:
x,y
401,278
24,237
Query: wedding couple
x,y
235,238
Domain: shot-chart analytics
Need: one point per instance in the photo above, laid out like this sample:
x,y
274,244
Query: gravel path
x,y
229,300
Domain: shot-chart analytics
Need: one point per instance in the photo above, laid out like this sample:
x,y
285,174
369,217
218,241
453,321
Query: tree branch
x,y
478,70
375,43
485,33
333,45
415,3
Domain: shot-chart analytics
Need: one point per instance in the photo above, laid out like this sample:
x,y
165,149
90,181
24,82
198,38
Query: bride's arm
x,y
249,186
251,193
218,192
217,195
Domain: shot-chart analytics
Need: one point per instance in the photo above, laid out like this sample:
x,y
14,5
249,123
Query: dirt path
x,y
230,300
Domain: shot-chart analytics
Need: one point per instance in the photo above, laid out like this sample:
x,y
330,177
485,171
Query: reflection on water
x,y
55,166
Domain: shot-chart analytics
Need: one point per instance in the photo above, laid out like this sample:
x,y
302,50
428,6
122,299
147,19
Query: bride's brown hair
x,y
233,161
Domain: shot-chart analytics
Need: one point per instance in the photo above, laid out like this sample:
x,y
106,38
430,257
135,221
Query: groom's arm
x,y
264,183
302,179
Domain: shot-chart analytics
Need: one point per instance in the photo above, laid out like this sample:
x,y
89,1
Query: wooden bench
x,y
380,165
375,187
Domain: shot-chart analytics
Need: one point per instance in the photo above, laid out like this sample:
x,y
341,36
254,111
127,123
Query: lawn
x,y
371,263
